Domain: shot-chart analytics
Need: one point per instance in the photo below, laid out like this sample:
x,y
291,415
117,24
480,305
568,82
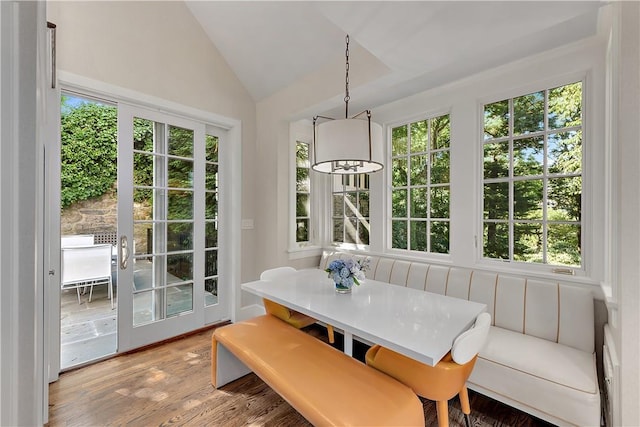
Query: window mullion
x,y
511,225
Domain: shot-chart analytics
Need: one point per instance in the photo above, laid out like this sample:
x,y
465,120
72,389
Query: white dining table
x,y
421,325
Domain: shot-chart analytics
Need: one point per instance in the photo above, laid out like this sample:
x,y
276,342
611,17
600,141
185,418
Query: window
x,y
350,200
211,219
303,193
420,185
532,177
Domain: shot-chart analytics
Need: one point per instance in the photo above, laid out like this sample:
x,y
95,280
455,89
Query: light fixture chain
x,y
346,79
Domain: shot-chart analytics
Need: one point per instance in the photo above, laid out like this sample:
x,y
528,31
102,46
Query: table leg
x,y
348,343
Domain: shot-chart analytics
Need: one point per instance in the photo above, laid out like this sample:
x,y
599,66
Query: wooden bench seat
x,y
323,384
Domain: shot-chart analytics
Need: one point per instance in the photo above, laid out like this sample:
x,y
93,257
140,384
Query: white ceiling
x,y
423,44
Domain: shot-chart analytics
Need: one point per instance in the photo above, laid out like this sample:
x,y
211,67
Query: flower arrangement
x,y
346,272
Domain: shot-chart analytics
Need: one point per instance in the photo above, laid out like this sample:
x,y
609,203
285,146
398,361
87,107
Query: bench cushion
x,y
323,384
561,380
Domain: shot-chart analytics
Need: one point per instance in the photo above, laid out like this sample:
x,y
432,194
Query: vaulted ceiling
x,y
420,44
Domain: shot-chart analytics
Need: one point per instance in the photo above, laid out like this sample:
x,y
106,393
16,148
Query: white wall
x,y
158,49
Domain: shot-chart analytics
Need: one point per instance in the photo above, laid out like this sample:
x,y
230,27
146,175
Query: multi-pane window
x,y
420,185
350,200
303,193
211,220
532,177
163,218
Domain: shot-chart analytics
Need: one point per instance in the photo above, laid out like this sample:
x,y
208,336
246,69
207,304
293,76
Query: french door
x,y
168,221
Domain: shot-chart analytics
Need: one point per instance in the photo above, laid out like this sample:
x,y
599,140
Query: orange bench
x,y
324,385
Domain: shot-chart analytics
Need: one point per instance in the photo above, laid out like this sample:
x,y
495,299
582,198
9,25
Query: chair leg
x,y
442,409
330,333
464,400
464,405
110,284
78,292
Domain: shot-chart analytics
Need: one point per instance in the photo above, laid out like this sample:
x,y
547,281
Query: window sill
x,y
540,271
304,252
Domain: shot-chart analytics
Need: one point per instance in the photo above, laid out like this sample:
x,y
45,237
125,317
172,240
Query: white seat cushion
x,y
561,380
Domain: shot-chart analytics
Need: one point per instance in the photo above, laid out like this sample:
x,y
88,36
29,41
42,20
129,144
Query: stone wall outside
x,y
100,215
96,215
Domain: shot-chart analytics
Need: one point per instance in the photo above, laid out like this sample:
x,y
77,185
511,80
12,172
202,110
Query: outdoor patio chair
x,y
72,240
84,266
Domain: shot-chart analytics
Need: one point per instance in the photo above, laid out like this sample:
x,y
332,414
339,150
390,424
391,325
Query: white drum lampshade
x,y
348,146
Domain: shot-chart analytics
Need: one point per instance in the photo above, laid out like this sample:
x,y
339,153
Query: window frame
x,y
302,132
586,170
388,189
332,216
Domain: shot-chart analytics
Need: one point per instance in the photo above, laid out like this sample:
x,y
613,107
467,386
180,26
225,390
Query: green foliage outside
x,y
88,150
303,188
523,166
420,177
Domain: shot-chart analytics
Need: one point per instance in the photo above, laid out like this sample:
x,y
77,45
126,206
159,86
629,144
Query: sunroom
x,y
509,147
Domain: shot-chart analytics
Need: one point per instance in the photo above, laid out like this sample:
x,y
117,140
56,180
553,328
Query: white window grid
x,y
429,153
511,179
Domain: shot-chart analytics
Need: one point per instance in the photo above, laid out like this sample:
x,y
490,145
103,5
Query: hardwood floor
x,y
170,385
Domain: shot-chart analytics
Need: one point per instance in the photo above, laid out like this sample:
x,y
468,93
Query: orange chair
x,y
443,381
292,317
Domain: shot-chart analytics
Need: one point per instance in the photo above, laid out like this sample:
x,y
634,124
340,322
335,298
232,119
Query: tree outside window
x,y
532,177
303,193
212,188
420,185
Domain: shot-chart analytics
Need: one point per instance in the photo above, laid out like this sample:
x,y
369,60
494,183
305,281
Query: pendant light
x,y
351,145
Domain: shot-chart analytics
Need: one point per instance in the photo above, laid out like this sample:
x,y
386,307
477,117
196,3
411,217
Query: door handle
x,y
124,252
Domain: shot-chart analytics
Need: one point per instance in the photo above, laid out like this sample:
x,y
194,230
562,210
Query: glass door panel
x,y
211,221
163,221
164,192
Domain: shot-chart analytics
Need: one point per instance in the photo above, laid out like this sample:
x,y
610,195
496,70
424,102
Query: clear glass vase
x,y
341,289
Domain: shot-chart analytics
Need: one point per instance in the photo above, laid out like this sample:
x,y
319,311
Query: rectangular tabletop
x,y
421,325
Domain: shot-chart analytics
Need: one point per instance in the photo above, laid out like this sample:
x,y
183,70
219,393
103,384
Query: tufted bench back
x,y
545,309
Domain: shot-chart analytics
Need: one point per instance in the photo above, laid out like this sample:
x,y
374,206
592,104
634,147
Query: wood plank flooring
x,y
169,385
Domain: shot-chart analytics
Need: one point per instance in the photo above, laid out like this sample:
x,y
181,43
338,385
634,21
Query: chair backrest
x,y
276,272
82,263
470,342
76,240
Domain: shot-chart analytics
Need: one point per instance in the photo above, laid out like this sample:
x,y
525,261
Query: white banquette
x,y
540,353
